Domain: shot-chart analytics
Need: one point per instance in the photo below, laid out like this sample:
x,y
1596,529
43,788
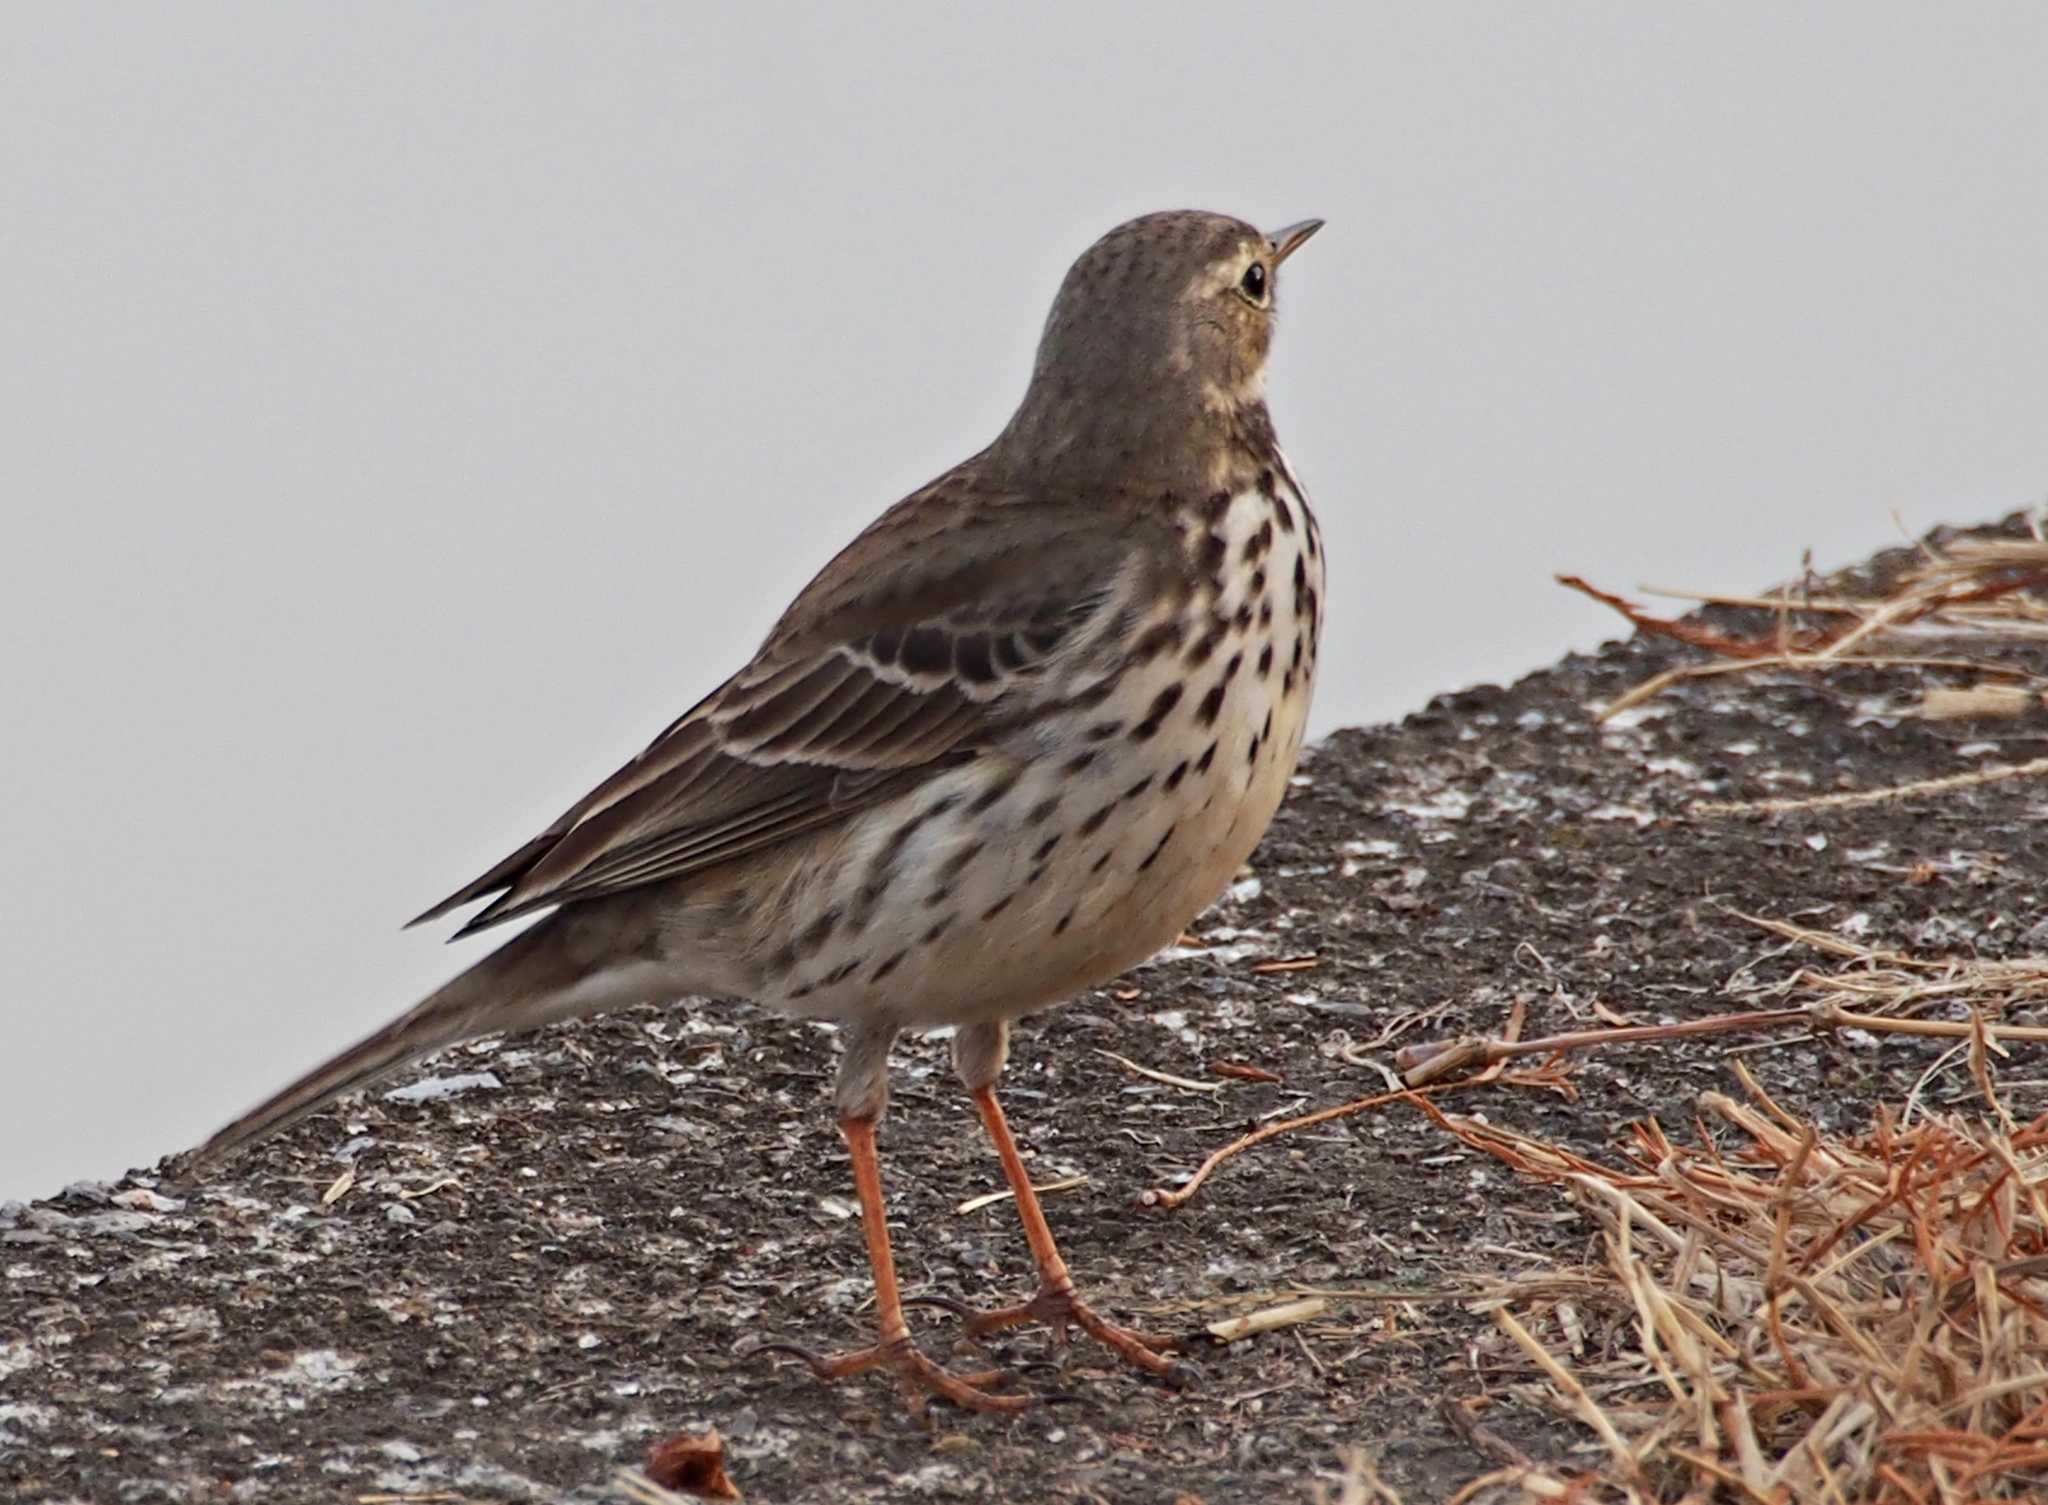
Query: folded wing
x,y
960,617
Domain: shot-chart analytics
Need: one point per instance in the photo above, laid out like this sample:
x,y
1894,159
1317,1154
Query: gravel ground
x,y
546,1259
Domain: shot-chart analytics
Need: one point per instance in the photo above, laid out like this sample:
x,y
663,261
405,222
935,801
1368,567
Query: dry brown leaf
x,y
693,1462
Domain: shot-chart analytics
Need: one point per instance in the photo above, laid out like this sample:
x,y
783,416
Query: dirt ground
x,y
529,1281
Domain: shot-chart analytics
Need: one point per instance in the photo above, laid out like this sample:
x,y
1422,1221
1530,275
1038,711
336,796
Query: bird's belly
x,y
1015,881
1068,881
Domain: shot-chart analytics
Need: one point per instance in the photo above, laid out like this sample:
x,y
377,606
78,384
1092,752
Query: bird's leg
x,y
863,1092
978,1054
1056,1302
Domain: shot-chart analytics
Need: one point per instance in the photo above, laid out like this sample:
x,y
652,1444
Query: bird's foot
x,y
919,1375
1058,1307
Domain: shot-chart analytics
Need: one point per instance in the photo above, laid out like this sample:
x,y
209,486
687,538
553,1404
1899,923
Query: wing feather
x,y
952,621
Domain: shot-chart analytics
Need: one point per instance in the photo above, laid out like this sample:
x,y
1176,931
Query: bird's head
x,y
1161,328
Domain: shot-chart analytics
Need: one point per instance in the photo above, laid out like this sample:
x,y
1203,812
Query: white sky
x,y
406,410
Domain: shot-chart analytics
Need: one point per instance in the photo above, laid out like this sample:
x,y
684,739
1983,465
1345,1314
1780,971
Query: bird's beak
x,y
1287,242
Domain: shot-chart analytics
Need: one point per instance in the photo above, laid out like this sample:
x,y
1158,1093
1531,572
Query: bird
x,y
1004,746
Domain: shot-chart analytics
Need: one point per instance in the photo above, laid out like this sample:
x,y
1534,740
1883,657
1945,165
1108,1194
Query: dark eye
x,y
1254,282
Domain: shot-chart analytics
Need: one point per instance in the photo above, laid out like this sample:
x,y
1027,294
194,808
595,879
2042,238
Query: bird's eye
x,y
1254,282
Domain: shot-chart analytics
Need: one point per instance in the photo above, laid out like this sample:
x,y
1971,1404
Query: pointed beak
x,y
1287,242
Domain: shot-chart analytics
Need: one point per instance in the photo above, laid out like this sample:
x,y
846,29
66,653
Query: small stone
x,y
435,1087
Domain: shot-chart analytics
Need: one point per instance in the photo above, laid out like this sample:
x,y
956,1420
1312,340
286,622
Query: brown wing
x,y
946,626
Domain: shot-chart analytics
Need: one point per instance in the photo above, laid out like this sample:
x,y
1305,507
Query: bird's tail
x,y
526,982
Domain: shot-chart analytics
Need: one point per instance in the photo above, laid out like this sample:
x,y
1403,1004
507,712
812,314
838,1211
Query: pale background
x,y
406,409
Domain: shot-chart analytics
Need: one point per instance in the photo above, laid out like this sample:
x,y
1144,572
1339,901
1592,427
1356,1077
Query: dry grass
x,y
1805,1315
1899,985
1992,590
1797,1313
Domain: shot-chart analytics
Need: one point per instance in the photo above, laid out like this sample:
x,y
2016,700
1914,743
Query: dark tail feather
x,y
503,875
518,986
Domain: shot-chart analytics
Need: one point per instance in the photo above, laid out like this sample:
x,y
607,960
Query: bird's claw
x,y
919,1375
1058,1308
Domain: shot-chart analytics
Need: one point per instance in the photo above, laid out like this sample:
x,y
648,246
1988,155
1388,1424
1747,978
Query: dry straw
x,y
1807,1315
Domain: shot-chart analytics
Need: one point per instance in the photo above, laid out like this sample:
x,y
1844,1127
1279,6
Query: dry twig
x,y
1266,1319
1877,991
1186,1084
1169,1199
1851,798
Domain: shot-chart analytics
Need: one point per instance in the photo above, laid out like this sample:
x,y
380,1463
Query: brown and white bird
x,y
1006,745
